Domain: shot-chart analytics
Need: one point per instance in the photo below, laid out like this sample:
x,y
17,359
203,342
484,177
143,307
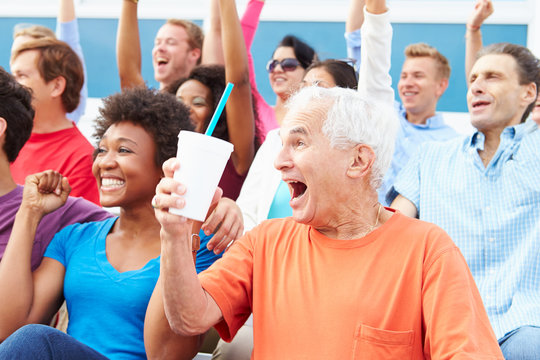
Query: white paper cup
x,y
202,161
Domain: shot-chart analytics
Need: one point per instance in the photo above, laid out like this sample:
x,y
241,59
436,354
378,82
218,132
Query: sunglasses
x,y
289,64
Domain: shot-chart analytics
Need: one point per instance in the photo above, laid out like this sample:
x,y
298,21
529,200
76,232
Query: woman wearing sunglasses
x,y
285,70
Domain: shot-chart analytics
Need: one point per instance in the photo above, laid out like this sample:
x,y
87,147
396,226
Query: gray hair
x,y
354,119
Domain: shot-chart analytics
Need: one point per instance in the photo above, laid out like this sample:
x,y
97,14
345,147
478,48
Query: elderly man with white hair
x,y
344,277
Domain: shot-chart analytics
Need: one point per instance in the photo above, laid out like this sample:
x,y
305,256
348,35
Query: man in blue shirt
x,y
484,191
424,79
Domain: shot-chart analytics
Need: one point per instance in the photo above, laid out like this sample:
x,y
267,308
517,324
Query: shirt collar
x,y
510,134
436,121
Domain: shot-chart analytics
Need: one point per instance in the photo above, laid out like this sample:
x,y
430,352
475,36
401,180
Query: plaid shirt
x,y
492,213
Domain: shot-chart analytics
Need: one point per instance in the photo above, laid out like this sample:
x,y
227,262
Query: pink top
x,y
267,117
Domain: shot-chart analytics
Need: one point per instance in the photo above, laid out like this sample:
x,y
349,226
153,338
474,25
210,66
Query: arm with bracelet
x,y
473,37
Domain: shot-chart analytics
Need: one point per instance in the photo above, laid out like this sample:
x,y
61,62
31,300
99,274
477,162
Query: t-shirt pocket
x,y
373,344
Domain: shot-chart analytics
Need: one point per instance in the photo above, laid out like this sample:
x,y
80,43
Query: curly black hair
x,y
16,109
160,114
213,77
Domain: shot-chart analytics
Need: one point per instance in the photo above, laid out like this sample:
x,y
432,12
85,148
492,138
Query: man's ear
x,y
3,129
529,94
441,87
3,126
58,86
361,162
195,55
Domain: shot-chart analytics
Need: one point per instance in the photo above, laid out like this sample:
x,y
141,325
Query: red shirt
x,y
66,151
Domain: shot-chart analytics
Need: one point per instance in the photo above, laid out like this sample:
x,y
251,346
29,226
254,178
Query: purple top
x,y
75,210
231,182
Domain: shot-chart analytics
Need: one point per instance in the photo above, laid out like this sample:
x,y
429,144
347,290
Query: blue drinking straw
x,y
219,109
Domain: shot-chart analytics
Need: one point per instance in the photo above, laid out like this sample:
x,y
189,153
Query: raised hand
x,y
45,192
226,223
482,10
473,39
169,195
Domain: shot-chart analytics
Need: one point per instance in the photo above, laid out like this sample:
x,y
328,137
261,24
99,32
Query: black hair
x,y
16,109
302,51
160,114
213,77
343,74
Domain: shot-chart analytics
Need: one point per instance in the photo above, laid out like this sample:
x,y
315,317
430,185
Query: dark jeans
x,y
41,342
521,344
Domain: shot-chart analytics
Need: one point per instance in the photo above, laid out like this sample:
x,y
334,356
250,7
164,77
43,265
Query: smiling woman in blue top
x,y
106,270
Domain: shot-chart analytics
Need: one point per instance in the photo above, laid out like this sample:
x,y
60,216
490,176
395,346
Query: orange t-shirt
x,y
402,292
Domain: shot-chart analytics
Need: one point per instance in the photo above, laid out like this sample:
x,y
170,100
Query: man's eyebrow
x,y
298,130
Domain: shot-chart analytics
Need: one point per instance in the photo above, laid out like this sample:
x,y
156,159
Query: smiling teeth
x,y
112,182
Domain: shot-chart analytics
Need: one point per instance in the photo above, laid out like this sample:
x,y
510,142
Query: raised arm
x,y
249,23
473,36
31,297
355,19
189,309
128,47
67,29
374,79
159,340
354,23
212,46
240,118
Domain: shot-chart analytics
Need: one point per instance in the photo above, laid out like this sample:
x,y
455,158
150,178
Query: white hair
x,y
354,119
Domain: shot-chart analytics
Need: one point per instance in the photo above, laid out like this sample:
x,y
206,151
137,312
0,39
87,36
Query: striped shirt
x,y
492,213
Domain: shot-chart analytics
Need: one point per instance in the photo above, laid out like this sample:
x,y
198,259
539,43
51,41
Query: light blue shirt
x,y
409,137
280,207
69,32
354,47
492,213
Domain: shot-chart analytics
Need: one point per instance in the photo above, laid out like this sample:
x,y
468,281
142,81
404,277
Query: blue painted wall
x,y
98,37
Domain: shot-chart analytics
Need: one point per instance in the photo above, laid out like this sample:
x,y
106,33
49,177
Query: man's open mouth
x,y
298,189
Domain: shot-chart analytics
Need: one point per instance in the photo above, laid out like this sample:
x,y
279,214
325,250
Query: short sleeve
x,y
229,281
57,247
449,289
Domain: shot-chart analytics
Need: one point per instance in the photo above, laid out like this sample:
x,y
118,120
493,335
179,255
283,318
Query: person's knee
x,y
524,344
32,338
32,333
